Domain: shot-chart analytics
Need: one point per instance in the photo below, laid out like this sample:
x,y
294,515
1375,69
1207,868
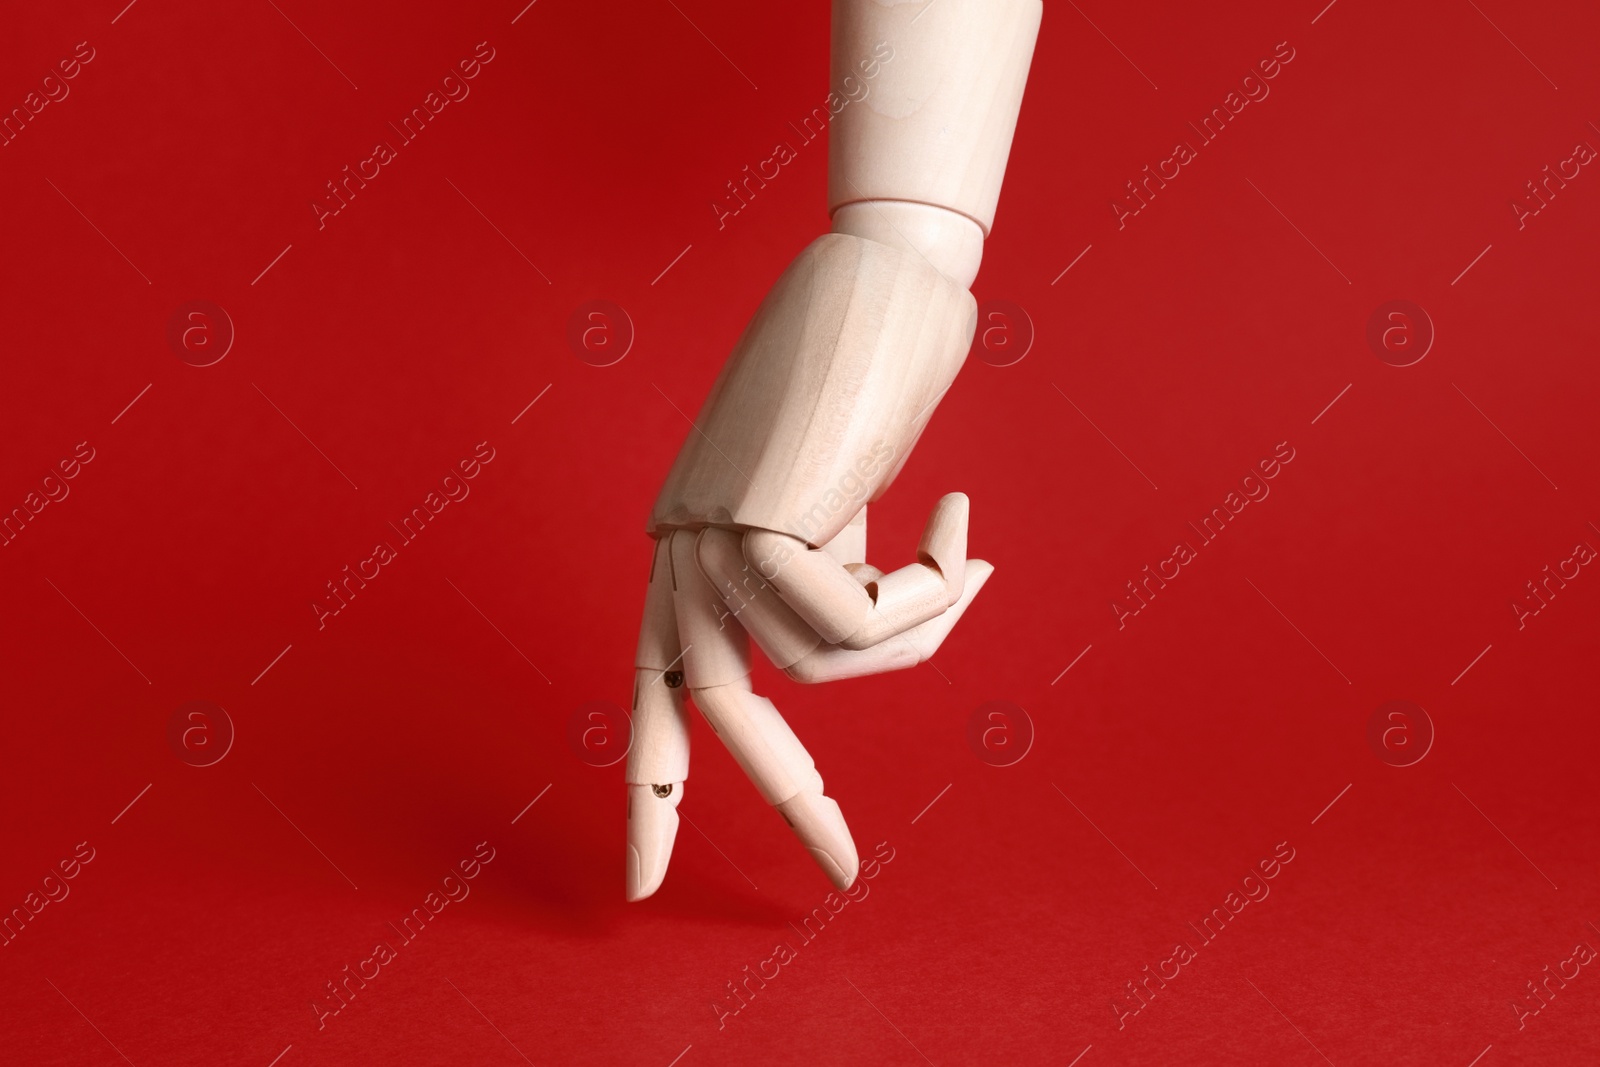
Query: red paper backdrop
x,y
375,352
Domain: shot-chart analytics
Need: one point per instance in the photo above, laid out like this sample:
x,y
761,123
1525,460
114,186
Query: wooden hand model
x,y
760,530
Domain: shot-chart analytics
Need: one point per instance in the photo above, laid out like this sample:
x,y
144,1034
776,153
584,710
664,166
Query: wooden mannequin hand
x,y
818,407
761,526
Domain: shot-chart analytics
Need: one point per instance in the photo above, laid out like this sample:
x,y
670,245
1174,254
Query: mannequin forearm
x,y
918,164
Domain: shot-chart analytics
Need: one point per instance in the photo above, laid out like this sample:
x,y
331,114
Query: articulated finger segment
x,y
756,606
831,663
658,760
944,542
811,582
658,633
912,595
927,637
652,828
761,742
659,750
819,824
857,606
781,769
658,755
901,599
716,650
689,640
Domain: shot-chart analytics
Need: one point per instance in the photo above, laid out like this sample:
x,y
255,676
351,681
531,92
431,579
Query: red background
x,y
1221,720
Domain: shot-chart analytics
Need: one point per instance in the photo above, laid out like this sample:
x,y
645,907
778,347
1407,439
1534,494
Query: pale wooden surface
x,y
761,523
935,126
823,396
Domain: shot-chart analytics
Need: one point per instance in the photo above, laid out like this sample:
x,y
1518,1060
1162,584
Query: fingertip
x,y
830,867
636,890
652,828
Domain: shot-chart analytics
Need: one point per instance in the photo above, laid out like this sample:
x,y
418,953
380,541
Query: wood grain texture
x,y
824,395
935,125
